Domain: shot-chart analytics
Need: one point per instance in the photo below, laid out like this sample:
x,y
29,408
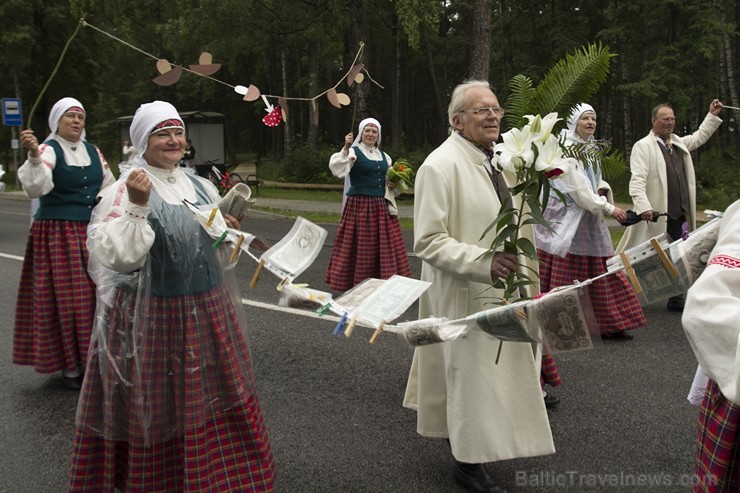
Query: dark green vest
x,y
75,187
368,177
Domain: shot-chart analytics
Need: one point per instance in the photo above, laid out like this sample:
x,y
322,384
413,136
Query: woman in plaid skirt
x,y
369,241
168,402
579,244
56,298
710,320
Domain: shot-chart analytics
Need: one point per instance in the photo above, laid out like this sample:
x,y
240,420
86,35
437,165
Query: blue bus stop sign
x,y
12,115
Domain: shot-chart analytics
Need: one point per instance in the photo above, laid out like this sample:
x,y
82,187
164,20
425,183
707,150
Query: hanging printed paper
x,y
298,249
390,300
656,281
567,325
692,254
506,323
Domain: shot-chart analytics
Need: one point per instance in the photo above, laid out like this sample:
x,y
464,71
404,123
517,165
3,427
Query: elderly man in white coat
x,y
489,412
663,179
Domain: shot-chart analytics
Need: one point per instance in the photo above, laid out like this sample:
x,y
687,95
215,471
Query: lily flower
x,y
550,155
542,127
515,152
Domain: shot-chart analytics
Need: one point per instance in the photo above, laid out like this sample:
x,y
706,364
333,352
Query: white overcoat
x,y
489,412
649,186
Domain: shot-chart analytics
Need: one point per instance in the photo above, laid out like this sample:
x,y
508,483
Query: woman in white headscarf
x,y
56,298
579,244
168,401
369,241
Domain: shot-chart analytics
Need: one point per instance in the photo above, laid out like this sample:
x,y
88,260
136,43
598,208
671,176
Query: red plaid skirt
x,y
368,244
614,301
717,467
186,418
56,298
549,374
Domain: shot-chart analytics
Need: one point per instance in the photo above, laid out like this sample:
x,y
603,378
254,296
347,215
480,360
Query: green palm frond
x,y
613,164
519,101
610,160
572,80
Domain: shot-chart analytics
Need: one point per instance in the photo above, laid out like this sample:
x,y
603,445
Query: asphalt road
x,y
333,404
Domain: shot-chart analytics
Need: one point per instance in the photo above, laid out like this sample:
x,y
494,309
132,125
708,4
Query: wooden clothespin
x,y
630,273
211,217
377,332
669,266
350,326
237,247
282,284
256,276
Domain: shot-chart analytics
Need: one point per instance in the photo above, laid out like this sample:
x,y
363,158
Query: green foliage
x,y
519,102
610,160
416,17
573,79
717,179
307,164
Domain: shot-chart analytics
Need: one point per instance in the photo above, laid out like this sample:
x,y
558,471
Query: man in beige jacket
x,y
489,412
663,179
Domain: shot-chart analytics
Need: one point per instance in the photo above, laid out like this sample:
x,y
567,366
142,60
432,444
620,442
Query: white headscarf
x,y
364,123
146,118
576,115
58,111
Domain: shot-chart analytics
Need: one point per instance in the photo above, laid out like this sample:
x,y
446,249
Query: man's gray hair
x,y
458,99
654,113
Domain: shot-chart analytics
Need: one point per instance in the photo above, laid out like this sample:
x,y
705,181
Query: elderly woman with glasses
x,y
369,241
168,402
56,298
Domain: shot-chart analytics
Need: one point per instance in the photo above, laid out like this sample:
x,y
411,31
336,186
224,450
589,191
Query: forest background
x,y
684,53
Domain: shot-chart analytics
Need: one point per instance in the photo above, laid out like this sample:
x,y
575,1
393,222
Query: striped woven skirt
x,y
56,298
368,244
180,414
717,468
614,301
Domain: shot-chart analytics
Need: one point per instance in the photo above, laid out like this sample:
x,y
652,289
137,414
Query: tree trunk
x,y
395,135
288,134
313,88
437,95
480,52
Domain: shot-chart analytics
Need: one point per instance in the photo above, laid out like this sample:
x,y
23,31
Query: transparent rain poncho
x,y
168,346
577,223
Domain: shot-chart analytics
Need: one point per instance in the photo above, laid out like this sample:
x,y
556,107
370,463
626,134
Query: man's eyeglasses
x,y
486,111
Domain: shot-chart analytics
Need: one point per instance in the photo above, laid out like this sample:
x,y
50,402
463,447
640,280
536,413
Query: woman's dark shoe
x,y
675,304
625,336
73,383
551,401
475,478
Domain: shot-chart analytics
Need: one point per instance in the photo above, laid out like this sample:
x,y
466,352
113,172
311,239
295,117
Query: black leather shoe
x,y
73,383
551,401
475,478
625,336
675,304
